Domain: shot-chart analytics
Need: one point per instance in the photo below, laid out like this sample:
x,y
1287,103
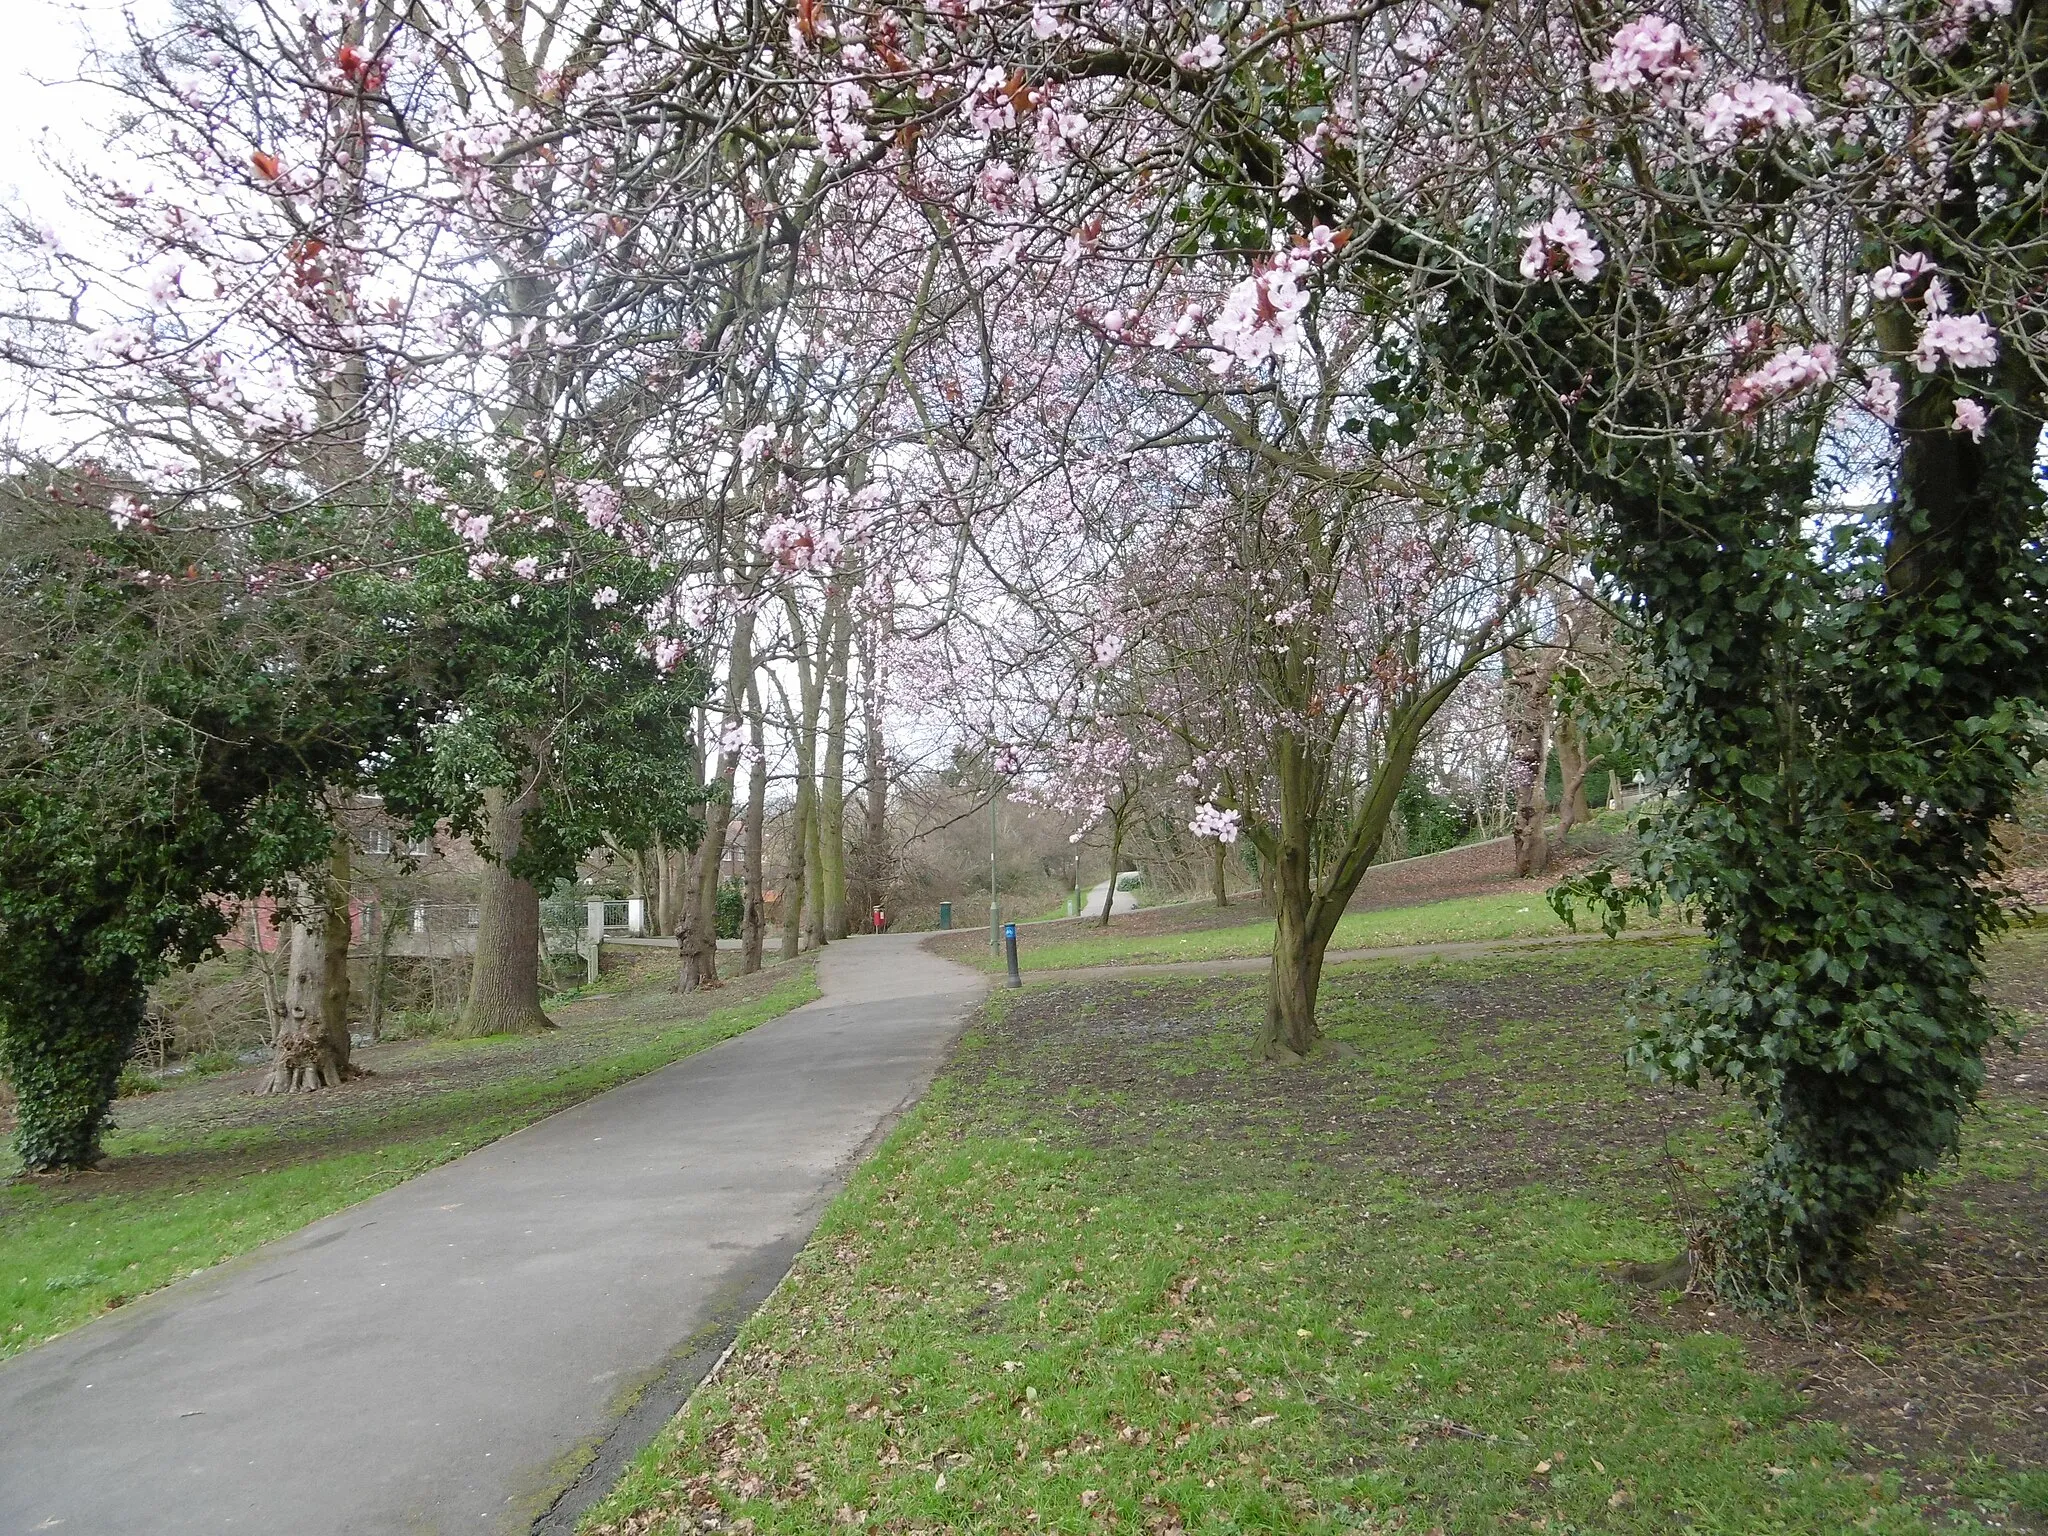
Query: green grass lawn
x,y
206,1172
1510,916
1117,1275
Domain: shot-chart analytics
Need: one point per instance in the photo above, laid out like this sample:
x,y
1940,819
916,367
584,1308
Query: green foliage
x,y
208,1063
732,908
1849,728
1432,822
553,675
136,1081
163,744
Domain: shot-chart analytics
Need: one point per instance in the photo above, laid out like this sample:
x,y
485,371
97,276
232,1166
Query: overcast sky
x,y
44,41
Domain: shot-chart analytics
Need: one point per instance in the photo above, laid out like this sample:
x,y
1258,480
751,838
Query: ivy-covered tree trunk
x,y
63,1042
1847,757
504,982
309,1037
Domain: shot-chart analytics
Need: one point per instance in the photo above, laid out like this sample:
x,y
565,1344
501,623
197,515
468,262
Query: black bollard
x,y
1010,953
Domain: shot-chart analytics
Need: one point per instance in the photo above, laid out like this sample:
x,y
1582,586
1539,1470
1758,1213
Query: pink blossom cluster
x,y
1997,115
1211,821
1906,270
1881,395
990,104
599,502
840,121
1749,109
1261,317
1205,55
1049,22
1958,17
1963,341
757,444
1787,373
797,546
1648,50
1972,417
1561,241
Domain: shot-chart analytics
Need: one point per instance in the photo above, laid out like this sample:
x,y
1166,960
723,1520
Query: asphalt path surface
x,y
483,1347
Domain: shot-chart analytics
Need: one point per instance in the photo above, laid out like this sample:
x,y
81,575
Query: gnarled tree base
x,y
304,1066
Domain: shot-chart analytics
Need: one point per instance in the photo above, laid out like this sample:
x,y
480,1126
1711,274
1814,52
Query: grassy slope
x,y
1512,916
1116,1275
185,1192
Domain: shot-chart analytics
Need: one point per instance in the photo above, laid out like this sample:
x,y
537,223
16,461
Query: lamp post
x,y
995,912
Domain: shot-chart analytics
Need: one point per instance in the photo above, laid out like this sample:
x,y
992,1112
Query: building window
x,y
376,840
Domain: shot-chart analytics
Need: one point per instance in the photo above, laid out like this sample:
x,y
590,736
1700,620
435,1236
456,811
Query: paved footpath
x,y
448,1355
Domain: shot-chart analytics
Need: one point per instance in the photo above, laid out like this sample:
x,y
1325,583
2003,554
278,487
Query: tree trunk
x,y
1573,765
504,982
309,1035
754,918
814,878
380,967
1116,859
832,907
1291,1031
1307,905
70,1027
801,925
793,874
697,934
1527,701
1218,882
875,846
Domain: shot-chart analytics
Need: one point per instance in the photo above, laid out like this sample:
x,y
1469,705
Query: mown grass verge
x,y
1517,915
217,1171
1116,1275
